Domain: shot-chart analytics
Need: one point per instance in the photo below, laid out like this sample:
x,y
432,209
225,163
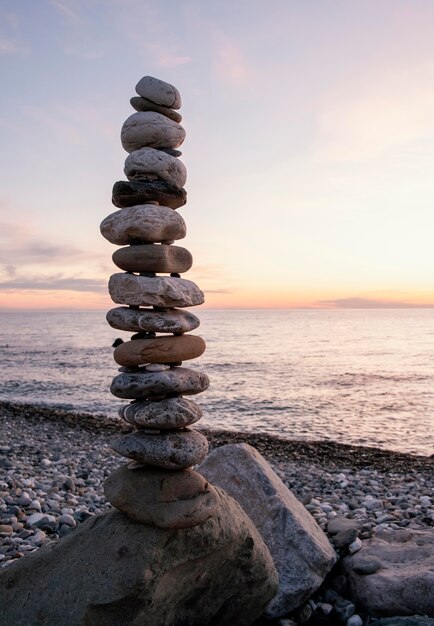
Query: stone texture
x,y
301,551
175,449
415,620
150,320
143,104
163,498
404,583
142,385
151,163
164,414
153,258
112,570
146,223
138,192
152,130
161,291
168,349
159,91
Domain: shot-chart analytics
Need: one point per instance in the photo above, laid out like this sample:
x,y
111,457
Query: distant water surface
x,y
364,377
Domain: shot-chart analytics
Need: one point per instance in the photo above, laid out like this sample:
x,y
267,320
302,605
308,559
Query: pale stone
x,y
146,223
157,367
142,385
124,318
152,130
143,104
159,91
112,570
161,291
404,581
176,449
165,414
150,257
163,498
137,192
170,321
148,161
301,551
168,349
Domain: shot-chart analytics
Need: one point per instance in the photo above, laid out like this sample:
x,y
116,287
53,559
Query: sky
x,y
309,148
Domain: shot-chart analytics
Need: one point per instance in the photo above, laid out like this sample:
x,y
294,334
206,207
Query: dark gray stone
x,y
141,385
143,104
126,194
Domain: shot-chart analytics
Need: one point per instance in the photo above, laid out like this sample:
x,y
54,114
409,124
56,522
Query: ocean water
x,y
363,377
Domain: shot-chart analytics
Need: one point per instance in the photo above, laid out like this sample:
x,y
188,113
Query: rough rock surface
x,y
161,291
148,161
150,129
114,571
415,620
164,414
404,583
175,449
141,385
159,91
145,223
149,320
143,104
151,257
162,498
301,551
168,349
137,192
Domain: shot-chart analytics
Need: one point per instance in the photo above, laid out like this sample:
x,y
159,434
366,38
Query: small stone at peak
x,y
159,92
143,104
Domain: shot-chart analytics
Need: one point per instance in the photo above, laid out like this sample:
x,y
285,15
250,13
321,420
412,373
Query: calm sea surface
x,y
364,377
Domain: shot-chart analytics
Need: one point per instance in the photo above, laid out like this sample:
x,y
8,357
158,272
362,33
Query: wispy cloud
x,y
13,47
65,10
371,303
54,283
230,63
166,56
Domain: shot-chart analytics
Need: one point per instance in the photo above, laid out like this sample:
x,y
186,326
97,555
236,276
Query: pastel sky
x,y
310,146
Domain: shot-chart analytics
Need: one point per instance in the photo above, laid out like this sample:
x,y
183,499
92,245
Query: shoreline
x,y
322,452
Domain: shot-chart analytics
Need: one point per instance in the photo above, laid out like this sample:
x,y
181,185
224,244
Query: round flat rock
x,y
151,129
162,498
146,223
150,320
137,192
151,163
161,291
167,414
142,385
166,349
143,104
175,449
153,258
159,91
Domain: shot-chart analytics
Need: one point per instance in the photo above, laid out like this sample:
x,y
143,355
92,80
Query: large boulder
x,y
402,583
301,551
114,571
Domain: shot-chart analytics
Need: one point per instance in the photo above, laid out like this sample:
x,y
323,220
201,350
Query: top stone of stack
x,y
159,92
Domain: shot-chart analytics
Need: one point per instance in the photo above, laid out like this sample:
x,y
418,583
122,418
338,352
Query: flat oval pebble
x,y
165,414
151,129
148,161
153,258
138,192
166,349
170,321
161,291
159,91
142,385
145,223
162,498
177,449
143,104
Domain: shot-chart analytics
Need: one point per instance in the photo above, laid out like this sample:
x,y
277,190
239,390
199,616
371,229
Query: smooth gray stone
x,y
172,450
159,91
135,320
160,291
148,162
143,104
125,194
142,385
157,258
151,129
301,551
112,570
171,151
164,415
145,223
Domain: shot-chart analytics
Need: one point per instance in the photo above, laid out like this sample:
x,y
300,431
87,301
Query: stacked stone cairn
x,y
158,487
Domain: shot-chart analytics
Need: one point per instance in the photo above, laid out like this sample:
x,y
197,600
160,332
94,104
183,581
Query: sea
x,y
359,377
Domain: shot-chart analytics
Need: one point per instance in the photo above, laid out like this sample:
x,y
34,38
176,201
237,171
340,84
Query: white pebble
x,y
355,545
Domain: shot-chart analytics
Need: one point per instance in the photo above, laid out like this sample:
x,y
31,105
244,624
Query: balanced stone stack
x,y
158,486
